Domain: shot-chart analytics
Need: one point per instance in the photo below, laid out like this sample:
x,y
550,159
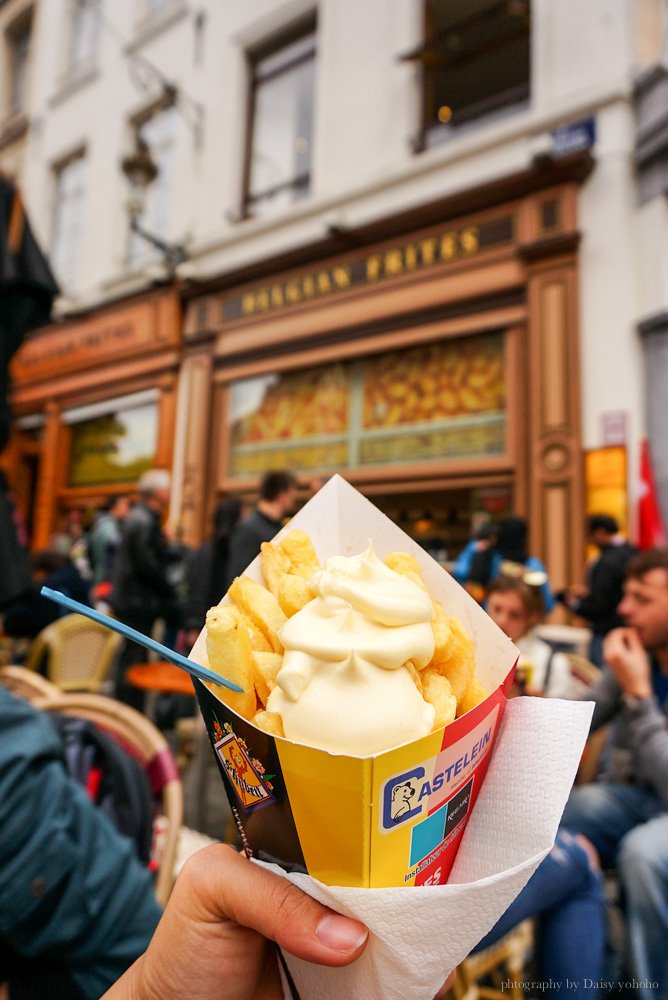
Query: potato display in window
x,y
298,405
434,383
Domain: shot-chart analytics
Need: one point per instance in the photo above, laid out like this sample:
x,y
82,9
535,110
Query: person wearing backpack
x,y
76,904
508,555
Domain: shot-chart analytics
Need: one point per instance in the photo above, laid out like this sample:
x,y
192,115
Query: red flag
x,y
651,530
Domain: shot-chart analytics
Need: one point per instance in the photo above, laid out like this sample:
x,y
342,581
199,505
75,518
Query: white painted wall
x,y
367,111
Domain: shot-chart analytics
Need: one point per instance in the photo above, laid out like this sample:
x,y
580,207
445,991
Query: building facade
x,y
416,249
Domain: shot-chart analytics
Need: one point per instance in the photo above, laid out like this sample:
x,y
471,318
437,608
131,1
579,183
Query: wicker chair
x,y
79,653
138,736
27,683
480,976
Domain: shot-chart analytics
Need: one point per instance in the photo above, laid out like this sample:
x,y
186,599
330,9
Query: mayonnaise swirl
x,y
343,685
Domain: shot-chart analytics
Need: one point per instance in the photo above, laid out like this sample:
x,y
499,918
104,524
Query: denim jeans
x,y
629,828
565,893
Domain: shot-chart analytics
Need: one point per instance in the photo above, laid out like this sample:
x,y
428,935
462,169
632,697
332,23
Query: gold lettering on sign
x,y
469,239
342,277
373,267
410,256
428,250
449,246
446,247
292,292
394,263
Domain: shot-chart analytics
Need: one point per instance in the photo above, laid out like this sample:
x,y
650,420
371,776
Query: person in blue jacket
x,y
482,540
509,556
76,906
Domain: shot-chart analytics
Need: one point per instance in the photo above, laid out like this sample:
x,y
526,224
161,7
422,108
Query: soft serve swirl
x,y
343,685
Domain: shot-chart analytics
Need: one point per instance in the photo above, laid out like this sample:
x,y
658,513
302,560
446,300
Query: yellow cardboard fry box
x,y
392,819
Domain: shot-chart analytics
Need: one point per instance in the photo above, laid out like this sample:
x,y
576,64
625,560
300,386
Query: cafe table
x,y
159,677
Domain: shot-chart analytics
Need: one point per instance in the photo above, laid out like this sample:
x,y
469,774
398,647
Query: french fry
x,y
454,652
474,694
303,559
258,640
260,606
265,667
293,593
437,691
270,722
275,562
406,565
229,654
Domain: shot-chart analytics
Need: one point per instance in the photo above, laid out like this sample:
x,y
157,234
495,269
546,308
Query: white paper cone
x,y
419,934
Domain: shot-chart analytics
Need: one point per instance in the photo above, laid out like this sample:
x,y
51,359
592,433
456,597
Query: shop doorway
x,y
26,478
443,521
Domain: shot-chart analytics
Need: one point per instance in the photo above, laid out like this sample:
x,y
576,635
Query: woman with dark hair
x,y
206,571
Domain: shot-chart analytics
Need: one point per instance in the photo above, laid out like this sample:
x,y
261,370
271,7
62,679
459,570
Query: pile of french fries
x,y
243,644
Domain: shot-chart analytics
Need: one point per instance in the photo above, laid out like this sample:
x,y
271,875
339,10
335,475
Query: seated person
x,y
565,895
76,905
31,612
516,608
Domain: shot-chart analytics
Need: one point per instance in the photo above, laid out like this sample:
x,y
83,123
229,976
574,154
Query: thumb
x,y
226,885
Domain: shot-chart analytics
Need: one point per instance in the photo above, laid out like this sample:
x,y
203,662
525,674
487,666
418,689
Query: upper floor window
x,y
68,216
84,24
475,62
158,131
280,145
18,53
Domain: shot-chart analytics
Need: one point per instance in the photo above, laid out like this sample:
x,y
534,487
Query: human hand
x,y
627,658
214,941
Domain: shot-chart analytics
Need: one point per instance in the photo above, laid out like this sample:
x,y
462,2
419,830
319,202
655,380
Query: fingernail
x,y
341,934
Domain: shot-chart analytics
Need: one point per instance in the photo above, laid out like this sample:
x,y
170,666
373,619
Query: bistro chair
x,y
138,736
481,976
79,653
27,684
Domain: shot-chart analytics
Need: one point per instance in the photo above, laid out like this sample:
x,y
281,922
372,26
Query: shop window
x,y
114,447
475,64
435,402
17,45
83,35
280,142
158,131
68,220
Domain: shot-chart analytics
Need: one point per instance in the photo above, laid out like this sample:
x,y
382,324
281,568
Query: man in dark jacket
x,y
278,494
76,906
142,592
598,600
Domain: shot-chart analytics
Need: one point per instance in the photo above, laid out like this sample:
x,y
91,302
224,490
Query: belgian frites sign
x,y
395,818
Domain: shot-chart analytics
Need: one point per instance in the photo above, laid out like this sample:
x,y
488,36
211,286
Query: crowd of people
x,y
614,827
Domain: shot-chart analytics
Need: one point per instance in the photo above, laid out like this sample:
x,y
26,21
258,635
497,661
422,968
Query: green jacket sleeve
x,y
71,887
